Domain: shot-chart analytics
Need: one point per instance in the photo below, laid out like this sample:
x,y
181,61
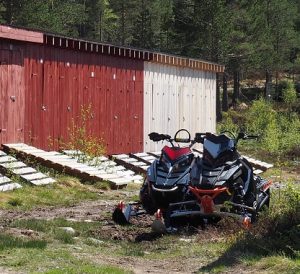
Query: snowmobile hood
x,y
215,146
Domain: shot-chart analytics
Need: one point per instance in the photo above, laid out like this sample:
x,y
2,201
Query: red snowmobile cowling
x,y
176,152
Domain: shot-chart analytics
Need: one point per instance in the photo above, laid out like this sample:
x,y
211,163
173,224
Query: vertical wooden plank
x,y
4,59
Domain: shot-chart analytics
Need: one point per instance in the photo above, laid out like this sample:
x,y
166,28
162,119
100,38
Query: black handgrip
x,y
199,137
156,137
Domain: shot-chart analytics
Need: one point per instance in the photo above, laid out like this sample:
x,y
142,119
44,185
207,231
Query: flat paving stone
x,y
139,164
141,154
9,187
118,168
7,159
107,164
72,152
40,182
4,180
125,173
129,160
13,165
120,156
16,145
87,169
25,170
257,171
107,176
97,172
149,158
34,176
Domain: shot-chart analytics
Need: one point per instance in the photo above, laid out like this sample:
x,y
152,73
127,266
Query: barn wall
x,y
11,92
177,97
59,82
45,82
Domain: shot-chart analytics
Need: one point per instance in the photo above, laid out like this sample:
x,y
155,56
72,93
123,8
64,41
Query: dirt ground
x,y
100,211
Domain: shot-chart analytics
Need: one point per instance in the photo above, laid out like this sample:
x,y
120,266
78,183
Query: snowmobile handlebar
x,y
199,137
156,137
244,136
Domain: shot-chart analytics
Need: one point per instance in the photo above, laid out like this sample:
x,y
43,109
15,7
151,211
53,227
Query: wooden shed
x,y
46,79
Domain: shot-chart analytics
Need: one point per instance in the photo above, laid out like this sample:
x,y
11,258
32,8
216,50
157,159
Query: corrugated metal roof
x,y
61,41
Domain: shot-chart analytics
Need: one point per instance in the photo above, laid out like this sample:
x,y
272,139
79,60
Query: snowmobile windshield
x,y
216,147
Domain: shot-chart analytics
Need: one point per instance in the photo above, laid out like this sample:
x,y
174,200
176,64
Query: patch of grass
x,y
63,236
102,185
272,244
33,224
67,191
55,258
277,264
88,269
82,228
10,242
15,201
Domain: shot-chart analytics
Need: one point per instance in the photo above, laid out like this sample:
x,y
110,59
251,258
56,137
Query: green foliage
x,y
80,138
279,131
278,230
257,34
227,123
57,16
289,93
260,116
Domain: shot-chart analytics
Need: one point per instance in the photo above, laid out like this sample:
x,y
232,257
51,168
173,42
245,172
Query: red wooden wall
x,y
59,82
52,85
12,100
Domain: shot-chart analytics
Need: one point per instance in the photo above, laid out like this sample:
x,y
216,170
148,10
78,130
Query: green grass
x,y
67,191
88,269
53,259
10,242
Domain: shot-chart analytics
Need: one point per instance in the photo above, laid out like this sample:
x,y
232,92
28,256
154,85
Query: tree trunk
x,y
225,93
268,85
236,87
218,102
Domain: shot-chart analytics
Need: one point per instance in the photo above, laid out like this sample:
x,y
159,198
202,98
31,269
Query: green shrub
x,y
289,93
271,137
227,123
259,116
277,230
279,131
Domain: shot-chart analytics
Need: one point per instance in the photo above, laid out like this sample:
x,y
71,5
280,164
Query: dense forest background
x,y
253,35
253,39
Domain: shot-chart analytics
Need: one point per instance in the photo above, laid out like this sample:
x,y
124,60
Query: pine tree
x,y
272,35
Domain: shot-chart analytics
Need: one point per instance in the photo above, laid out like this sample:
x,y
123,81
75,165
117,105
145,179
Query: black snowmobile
x,y
167,179
180,186
222,183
